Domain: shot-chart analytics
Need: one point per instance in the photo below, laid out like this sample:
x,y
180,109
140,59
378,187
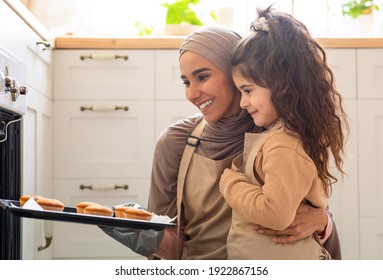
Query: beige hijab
x,y
215,43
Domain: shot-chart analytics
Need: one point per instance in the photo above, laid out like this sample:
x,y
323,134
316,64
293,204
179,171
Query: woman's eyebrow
x,y
196,72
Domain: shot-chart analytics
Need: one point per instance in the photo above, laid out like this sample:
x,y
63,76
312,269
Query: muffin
x,y
98,210
137,214
51,204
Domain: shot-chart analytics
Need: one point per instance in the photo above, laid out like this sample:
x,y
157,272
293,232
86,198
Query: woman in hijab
x,y
191,155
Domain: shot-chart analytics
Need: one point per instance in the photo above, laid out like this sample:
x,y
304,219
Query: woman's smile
x,y
205,104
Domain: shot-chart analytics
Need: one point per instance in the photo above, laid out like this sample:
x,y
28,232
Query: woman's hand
x,y
307,221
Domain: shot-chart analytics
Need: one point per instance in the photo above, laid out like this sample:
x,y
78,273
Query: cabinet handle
x,y
104,187
103,56
103,108
47,45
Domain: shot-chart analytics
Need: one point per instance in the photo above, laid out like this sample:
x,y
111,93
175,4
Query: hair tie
x,y
260,24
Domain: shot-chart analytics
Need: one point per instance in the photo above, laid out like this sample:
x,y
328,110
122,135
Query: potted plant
x,y
356,8
181,18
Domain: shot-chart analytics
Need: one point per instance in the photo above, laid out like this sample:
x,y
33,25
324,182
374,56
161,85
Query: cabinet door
x,y
371,158
371,239
37,167
168,112
343,65
370,74
344,197
103,144
39,66
169,85
79,241
103,74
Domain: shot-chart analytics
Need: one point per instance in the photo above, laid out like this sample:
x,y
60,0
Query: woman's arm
x,y
307,221
171,245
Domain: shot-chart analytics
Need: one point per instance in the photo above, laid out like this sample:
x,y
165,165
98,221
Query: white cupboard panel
x,y
344,202
371,238
79,241
103,76
370,73
37,168
343,64
370,134
168,112
103,143
168,76
39,69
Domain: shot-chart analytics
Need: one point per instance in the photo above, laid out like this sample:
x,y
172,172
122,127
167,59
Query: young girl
x,y
288,89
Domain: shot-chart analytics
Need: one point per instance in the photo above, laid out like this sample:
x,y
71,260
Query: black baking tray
x,y
69,215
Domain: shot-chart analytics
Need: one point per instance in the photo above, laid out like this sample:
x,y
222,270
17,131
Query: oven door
x,y
12,109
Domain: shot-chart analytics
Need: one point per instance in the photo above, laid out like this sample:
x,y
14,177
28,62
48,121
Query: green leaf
x,y
180,12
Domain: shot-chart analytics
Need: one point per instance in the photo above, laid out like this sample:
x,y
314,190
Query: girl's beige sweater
x,y
289,177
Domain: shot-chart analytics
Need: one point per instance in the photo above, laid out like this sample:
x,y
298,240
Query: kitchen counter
x,y
174,42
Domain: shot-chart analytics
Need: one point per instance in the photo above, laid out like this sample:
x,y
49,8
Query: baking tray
x,y
69,215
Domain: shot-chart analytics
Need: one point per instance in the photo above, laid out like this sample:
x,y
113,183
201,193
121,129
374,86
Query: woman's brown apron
x,y
243,242
206,215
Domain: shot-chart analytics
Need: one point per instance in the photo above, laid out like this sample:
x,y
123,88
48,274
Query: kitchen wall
x,y
118,17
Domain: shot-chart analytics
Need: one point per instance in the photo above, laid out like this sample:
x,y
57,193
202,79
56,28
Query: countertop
x,y
174,42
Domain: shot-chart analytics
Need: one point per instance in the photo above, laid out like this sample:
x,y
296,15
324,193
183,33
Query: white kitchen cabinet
x,y
344,202
169,85
371,238
370,137
103,136
344,66
370,74
38,143
103,144
344,199
104,75
37,168
370,128
171,103
79,241
168,112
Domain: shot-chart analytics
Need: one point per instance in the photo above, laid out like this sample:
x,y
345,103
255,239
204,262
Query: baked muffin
x,y
23,199
81,205
137,214
98,210
51,204
120,211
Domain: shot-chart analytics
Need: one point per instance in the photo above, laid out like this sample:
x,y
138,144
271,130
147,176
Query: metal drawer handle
x,y
103,57
104,187
47,45
103,108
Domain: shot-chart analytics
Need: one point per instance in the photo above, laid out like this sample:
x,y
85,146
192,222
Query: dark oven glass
x,y
10,183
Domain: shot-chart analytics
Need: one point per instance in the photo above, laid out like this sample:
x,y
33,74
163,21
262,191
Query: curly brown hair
x,y
285,58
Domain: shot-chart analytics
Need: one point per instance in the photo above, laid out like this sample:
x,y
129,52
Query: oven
x,y
12,109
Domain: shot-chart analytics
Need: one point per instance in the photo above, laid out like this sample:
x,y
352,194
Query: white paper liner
x,y
31,204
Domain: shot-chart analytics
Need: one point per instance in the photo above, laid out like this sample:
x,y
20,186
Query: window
x,y
118,17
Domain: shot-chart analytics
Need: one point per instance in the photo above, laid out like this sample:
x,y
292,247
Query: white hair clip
x,y
261,24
